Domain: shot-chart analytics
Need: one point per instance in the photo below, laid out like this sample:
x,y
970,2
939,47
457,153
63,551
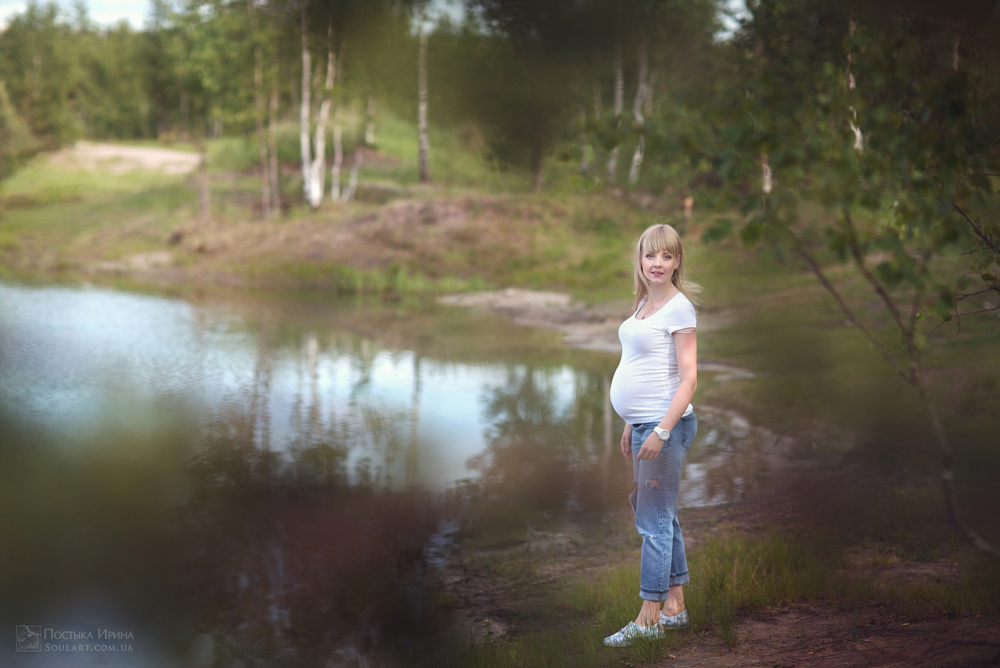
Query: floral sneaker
x,y
632,632
675,622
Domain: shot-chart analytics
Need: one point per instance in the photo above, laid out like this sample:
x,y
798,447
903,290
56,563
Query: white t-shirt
x,y
648,376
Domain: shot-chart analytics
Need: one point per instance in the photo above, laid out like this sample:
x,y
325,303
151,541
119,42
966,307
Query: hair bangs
x,y
660,238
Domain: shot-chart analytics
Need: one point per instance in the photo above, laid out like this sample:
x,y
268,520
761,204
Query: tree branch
x,y
984,237
825,282
907,330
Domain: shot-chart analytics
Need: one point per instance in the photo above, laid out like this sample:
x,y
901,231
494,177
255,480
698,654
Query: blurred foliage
x,y
529,88
16,140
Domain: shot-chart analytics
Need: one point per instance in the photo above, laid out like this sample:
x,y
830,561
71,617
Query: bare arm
x,y
686,345
626,443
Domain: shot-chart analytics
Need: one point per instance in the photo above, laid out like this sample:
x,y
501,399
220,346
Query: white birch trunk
x,y
425,174
859,140
767,179
637,107
352,183
304,109
338,161
633,172
619,105
584,144
317,171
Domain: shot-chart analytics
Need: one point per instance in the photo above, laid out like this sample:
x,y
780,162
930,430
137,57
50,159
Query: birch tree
x,y
317,168
423,143
314,151
618,106
305,112
637,109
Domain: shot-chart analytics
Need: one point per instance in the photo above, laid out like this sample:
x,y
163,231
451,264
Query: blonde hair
x,y
658,238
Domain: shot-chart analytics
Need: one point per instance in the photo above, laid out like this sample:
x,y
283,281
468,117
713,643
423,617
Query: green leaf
x,y
889,274
751,232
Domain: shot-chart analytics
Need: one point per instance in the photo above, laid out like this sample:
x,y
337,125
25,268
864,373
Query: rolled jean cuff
x,y
675,581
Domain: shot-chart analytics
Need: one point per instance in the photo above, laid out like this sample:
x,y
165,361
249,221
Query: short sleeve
x,y
683,317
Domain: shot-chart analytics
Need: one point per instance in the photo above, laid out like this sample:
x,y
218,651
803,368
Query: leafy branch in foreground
x,y
897,138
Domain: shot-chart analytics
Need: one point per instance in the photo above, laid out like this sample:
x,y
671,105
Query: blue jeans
x,y
654,502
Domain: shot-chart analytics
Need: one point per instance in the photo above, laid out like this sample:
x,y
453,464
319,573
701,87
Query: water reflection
x,y
278,483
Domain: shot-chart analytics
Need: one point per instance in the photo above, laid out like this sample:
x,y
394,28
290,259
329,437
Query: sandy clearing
x,y
123,159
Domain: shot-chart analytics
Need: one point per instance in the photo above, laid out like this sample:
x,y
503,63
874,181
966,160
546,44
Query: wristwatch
x,y
662,433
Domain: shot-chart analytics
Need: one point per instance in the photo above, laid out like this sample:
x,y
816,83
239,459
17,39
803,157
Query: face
x,y
659,266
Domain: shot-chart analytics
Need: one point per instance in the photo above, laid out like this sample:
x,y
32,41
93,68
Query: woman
x,y
652,391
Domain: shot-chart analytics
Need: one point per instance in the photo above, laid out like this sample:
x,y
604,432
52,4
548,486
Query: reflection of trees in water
x,y
542,455
288,562
292,557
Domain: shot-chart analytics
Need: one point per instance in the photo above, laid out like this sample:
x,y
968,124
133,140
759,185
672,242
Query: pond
x,y
264,473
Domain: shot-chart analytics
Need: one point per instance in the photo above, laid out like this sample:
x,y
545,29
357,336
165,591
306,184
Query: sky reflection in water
x,y
75,362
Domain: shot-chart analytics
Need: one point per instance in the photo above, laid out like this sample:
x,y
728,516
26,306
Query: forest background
x,y
853,142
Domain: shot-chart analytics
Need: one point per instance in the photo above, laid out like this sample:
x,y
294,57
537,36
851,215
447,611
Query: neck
x,y
657,296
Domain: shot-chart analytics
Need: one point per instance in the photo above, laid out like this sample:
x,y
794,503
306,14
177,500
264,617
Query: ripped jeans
x,y
654,502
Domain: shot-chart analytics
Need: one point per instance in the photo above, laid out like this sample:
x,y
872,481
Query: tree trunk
x,y
537,162
767,182
352,183
338,161
914,378
258,103
304,108
204,208
425,174
262,143
766,178
619,105
317,172
185,115
272,143
859,140
640,94
584,144
370,122
948,475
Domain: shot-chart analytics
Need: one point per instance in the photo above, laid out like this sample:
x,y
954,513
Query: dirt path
x,y
496,606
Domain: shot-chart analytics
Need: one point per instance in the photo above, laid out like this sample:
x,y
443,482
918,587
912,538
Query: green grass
x,y
736,577
341,280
